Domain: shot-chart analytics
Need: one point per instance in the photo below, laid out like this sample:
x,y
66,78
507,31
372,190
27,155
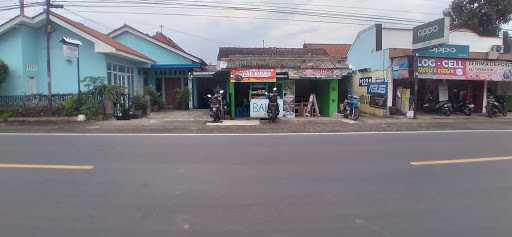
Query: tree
x,y
484,17
4,71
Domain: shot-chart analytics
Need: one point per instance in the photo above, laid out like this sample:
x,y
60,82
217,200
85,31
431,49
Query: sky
x,y
202,36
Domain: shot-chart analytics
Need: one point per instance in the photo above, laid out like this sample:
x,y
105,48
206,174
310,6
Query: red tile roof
x,y
162,38
102,37
339,51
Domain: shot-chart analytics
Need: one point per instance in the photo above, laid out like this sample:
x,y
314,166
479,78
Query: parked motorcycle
x,y
216,109
464,107
351,107
495,106
442,107
273,105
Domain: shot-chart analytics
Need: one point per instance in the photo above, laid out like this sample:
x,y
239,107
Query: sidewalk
x,y
196,122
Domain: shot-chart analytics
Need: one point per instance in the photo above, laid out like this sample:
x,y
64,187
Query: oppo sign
x,y
427,31
431,33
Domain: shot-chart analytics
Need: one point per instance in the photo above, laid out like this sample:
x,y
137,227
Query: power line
x,y
224,16
301,12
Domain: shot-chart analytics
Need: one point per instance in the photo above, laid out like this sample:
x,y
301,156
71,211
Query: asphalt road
x,y
300,185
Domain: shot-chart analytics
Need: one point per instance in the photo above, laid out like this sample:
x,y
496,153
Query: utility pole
x,y
49,30
22,8
48,61
263,43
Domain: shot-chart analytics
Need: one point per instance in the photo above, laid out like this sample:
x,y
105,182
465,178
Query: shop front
x,y
443,79
372,87
299,89
247,89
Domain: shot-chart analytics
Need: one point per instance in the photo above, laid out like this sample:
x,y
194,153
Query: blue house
x,y
23,49
173,65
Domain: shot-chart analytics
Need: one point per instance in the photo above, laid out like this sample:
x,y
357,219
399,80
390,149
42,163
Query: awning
x,y
175,66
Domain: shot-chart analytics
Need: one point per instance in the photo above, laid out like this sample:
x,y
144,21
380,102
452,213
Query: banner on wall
x,y
253,75
489,70
400,68
441,68
318,73
259,108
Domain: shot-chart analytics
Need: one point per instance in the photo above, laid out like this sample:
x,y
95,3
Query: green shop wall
x,y
327,96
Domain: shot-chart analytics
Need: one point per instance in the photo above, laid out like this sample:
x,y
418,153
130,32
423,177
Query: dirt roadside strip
x,y
328,125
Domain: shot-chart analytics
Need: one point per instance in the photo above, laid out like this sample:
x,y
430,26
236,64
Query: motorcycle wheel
x,y
446,112
491,113
468,111
355,115
505,113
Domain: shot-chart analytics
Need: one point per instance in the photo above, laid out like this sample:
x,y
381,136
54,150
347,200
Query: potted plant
x,y
155,97
139,106
182,98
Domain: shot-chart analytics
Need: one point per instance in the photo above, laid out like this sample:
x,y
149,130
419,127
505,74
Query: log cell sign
x,y
438,68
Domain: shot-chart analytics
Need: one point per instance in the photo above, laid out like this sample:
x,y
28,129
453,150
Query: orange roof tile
x,y
102,37
334,50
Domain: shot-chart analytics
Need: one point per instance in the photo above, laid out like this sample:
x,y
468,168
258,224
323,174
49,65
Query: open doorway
x,y
242,102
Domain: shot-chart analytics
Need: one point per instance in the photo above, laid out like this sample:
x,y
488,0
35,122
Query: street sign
x,y
446,51
431,34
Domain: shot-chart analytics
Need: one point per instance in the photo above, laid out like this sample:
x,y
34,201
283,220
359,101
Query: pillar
x,y
484,104
231,86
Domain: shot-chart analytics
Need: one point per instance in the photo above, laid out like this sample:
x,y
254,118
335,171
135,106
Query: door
x,y
171,84
31,85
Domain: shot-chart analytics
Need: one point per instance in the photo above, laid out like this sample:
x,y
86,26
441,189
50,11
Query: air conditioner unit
x,y
497,49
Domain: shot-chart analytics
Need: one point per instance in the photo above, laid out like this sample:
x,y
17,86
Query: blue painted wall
x,y
363,53
64,70
10,48
25,45
160,54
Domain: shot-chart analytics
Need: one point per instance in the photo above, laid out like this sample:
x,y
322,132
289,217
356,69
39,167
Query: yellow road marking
x,y
445,162
47,166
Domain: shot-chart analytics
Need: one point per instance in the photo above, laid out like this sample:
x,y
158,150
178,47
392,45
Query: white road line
x,y
256,134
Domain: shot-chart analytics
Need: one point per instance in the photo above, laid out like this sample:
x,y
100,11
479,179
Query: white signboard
x,y
259,108
70,51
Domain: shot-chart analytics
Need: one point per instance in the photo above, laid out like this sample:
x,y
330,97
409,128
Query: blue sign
x,y
378,89
446,51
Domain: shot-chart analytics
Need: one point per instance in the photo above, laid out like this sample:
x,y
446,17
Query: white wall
x,y
396,38
476,43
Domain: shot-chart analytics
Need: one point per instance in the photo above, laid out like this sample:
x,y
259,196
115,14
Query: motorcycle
x,y
464,107
216,109
442,107
495,106
273,106
351,107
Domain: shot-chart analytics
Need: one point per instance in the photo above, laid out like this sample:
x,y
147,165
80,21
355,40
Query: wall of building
x,y
477,43
396,38
160,54
64,70
10,46
366,61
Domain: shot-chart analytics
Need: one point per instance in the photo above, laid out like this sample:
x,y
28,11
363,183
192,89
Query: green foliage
x,y
96,87
182,98
4,71
4,116
91,109
485,17
139,103
156,98
72,106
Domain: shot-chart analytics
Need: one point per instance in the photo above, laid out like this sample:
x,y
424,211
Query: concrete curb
x,y
43,119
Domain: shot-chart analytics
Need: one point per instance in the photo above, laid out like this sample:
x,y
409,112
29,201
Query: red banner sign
x,y
253,75
440,68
